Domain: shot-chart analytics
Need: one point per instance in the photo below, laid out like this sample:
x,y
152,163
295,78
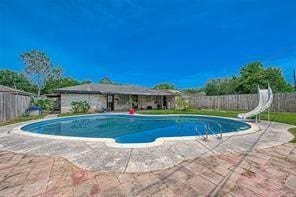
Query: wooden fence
x,y
12,105
282,102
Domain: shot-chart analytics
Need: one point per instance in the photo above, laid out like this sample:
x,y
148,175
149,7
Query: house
x,y
115,97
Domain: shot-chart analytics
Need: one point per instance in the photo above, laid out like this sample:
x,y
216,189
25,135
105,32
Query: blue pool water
x,y
135,129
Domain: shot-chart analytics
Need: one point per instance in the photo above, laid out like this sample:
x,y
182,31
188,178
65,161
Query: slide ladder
x,y
265,97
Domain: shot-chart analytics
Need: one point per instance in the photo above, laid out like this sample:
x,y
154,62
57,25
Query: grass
x,y
22,119
192,111
293,131
283,117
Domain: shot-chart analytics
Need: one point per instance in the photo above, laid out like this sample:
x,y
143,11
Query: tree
x,y
221,86
165,86
16,80
39,68
53,84
253,74
106,80
195,90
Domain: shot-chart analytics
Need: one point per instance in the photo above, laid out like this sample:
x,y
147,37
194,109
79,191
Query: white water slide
x,y
265,97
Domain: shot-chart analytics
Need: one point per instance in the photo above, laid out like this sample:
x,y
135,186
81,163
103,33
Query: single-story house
x,y
115,97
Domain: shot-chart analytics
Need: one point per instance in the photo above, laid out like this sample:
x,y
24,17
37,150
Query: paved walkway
x,y
264,172
98,156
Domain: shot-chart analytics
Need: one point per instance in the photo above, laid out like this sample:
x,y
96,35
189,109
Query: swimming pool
x,y
135,128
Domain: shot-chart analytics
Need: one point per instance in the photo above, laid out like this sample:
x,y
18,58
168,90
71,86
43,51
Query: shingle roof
x,y
112,89
5,89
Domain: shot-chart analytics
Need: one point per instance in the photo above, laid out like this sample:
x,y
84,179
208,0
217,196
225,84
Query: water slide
x,y
265,97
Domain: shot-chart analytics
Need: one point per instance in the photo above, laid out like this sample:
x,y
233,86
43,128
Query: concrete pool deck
x,y
264,172
95,155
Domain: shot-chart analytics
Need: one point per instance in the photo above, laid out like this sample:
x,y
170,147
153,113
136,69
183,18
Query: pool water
x,y
133,128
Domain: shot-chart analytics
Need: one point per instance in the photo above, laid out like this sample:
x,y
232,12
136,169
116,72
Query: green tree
x,y
165,86
254,74
39,68
53,84
106,80
221,86
195,90
251,75
16,80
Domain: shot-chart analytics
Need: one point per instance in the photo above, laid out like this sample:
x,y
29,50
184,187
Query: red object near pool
x,y
131,111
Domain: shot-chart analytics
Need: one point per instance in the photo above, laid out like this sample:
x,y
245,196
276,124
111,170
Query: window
x,y
123,99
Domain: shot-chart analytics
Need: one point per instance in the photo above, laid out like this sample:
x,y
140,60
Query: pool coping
x,y
112,143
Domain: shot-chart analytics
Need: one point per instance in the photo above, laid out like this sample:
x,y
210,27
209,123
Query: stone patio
x,y
265,172
261,163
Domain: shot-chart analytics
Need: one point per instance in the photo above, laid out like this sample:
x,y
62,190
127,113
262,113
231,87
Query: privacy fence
x,y
12,105
282,102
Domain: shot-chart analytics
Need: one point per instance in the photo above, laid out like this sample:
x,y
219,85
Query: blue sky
x,y
147,42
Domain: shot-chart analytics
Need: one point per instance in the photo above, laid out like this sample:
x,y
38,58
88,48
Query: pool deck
x,y
96,155
264,172
256,164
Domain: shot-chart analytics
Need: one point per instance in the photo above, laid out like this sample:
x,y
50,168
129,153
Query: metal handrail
x,y
208,129
199,133
205,137
220,128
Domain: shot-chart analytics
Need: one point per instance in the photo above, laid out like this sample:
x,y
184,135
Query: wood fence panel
x,y
12,106
282,102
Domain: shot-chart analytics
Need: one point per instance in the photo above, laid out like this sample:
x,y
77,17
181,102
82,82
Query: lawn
x,y
22,119
293,131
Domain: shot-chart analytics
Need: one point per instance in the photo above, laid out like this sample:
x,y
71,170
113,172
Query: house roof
x,y
5,89
112,89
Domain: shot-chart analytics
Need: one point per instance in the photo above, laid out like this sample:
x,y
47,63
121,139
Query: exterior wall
x,y
118,106
144,102
149,101
171,104
96,101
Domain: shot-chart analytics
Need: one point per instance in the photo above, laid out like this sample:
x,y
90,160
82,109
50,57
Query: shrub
x,y
80,106
45,104
182,104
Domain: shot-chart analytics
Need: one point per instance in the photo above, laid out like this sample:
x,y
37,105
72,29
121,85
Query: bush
x,y
182,104
45,104
80,107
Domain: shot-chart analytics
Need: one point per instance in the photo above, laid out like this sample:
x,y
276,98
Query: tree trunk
x,y
39,90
